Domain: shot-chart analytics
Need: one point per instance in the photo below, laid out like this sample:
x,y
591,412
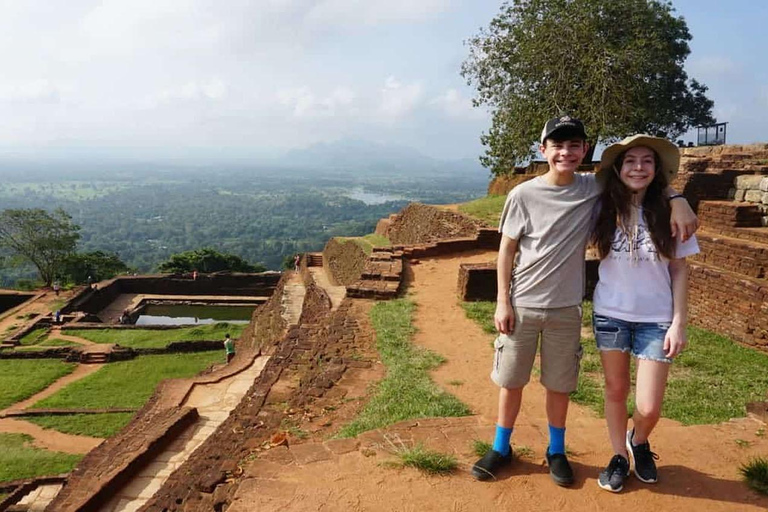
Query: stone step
x,y
729,214
745,257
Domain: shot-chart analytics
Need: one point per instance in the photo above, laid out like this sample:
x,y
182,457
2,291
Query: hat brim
x,y
668,153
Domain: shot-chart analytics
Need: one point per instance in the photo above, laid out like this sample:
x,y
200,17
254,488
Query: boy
x,y
545,225
229,347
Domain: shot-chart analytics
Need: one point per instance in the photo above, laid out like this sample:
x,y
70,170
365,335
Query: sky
x,y
253,79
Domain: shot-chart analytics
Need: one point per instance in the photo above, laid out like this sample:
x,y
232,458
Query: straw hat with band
x,y
668,153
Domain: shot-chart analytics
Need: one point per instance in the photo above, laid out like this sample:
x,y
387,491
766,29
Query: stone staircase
x,y
314,259
729,277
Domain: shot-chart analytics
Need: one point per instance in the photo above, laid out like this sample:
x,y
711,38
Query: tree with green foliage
x,y
42,238
98,265
207,260
616,65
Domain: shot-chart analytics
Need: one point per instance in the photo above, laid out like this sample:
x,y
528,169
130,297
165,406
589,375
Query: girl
x,y
640,303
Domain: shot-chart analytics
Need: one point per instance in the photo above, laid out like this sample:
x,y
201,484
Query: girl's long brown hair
x,y
616,202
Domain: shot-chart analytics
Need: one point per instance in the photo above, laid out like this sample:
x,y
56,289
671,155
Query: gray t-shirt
x,y
551,225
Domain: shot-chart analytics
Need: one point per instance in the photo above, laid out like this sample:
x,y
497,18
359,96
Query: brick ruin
x,y
729,294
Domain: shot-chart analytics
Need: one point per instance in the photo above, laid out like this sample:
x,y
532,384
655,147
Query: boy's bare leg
x,y
557,408
509,406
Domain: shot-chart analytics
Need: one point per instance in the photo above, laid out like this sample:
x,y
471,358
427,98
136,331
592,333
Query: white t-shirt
x,y
637,287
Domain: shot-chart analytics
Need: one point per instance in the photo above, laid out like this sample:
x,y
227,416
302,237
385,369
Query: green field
x,y
20,379
487,209
128,384
19,459
94,425
149,338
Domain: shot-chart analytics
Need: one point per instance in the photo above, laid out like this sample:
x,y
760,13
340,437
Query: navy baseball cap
x,y
565,127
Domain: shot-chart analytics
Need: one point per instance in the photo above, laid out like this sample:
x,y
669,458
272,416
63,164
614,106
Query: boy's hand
x,y
683,221
504,318
675,340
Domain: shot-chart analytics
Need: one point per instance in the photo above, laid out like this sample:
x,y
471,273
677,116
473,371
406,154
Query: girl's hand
x,y
504,318
675,340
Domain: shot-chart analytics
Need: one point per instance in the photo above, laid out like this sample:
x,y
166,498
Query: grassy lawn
x,y
34,337
367,242
481,312
19,459
94,425
710,382
487,209
129,383
148,338
20,379
407,390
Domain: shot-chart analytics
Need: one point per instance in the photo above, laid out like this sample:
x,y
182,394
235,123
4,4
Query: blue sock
x,y
556,440
501,441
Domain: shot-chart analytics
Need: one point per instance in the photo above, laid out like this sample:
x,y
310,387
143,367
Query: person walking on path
x,y
641,298
229,347
545,225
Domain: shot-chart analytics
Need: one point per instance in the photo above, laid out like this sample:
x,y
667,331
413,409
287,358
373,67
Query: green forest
x,y
145,219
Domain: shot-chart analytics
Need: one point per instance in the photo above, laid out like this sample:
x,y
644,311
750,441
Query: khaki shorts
x,y
560,330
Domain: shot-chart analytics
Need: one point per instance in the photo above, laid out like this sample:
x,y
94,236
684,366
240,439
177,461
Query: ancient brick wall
x,y
344,261
743,257
729,304
419,223
710,172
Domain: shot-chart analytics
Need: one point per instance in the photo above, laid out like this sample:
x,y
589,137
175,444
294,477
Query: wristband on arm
x,y
675,196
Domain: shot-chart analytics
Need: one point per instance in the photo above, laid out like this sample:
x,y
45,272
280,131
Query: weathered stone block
x,y
764,199
748,182
739,195
764,184
753,196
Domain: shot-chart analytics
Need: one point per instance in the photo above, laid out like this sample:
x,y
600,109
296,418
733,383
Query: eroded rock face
x,y
419,223
344,261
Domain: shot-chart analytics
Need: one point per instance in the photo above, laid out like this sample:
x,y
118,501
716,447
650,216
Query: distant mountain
x,y
362,156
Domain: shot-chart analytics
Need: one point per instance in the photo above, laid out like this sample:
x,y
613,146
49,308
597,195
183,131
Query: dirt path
x,y
82,370
40,306
50,439
698,466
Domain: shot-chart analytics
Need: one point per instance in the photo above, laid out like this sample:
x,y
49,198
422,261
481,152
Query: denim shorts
x,y
644,340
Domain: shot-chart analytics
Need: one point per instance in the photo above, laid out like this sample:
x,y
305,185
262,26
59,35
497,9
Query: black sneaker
x,y
559,469
642,459
492,462
612,477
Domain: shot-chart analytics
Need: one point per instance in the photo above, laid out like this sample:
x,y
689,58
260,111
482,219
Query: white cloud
x,y
303,102
453,104
34,91
212,90
398,99
373,12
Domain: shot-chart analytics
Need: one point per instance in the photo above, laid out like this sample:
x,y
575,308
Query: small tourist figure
x,y
56,288
57,317
229,347
296,261
194,275
125,318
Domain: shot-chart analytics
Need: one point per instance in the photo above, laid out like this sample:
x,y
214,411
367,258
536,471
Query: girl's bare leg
x,y
650,386
616,370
